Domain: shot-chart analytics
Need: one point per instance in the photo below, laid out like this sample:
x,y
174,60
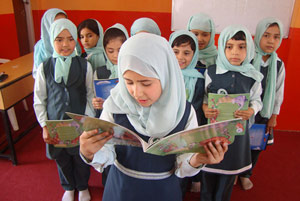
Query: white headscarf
x,y
144,24
151,56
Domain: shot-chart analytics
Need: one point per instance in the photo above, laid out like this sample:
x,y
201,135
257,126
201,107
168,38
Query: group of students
x,y
162,89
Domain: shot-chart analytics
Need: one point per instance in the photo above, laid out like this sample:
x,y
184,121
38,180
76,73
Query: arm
x,y
278,98
93,149
190,164
255,103
96,101
208,112
90,91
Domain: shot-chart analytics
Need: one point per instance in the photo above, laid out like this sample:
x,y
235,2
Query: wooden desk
x,y
14,89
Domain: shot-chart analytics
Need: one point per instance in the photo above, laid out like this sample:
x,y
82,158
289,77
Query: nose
x,y
85,39
65,42
235,50
180,56
137,92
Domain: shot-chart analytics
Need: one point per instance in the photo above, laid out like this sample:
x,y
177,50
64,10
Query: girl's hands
x,y
214,154
244,114
97,103
47,138
209,112
272,122
92,141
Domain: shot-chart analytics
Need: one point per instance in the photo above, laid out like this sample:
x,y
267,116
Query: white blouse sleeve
x,y
279,89
89,83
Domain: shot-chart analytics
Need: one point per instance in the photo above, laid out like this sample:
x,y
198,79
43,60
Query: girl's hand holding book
x,y
244,114
214,154
97,103
92,141
47,138
210,112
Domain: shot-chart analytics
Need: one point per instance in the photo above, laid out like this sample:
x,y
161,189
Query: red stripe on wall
x,y
9,39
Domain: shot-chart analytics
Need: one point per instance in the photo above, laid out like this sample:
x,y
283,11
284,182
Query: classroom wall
x,y
8,34
126,11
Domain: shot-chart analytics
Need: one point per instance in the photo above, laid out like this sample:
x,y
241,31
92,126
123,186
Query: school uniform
x,y
52,98
224,78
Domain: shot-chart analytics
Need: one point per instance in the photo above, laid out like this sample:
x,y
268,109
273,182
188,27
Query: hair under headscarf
x,y
246,67
205,23
151,56
63,63
270,91
109,65
144,24
190,74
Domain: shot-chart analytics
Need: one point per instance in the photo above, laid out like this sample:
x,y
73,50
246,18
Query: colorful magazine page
x,y
122,135
190,141
66,131
103,87
258,137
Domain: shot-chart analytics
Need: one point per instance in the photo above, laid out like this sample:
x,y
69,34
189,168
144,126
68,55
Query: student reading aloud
x,y
90,33
149,100
232,74
185,47
144,24
203,27
267,40
64,84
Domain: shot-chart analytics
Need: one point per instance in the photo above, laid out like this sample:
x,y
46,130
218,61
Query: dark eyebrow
x,y
138,80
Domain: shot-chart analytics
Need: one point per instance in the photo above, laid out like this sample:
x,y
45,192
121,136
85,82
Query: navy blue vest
x,y
70,97
103,72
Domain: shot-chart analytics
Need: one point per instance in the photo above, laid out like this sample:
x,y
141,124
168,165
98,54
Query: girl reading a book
x,y
90,33
232,74
64,84
149,100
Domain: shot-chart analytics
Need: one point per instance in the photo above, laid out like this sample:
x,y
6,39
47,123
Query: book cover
x,y
258,137
66,131
103,87
187,141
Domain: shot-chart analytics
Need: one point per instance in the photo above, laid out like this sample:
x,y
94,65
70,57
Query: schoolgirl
x,y
267,40
203,27
150,100
90,33
232,74
64,84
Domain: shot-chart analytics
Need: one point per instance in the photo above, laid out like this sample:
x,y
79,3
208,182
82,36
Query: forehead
x,y
235,42
186,45
64,33
199,31
273,29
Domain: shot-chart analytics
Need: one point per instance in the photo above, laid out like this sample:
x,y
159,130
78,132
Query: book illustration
x,y
192,141
258,137
67,132
187,141
122,135
227,104
103,87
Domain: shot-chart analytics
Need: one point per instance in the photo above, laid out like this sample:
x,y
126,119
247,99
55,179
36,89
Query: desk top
x,y
17,69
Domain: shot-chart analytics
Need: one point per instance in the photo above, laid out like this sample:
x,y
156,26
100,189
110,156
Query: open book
x,y
67,132
103,87
187,141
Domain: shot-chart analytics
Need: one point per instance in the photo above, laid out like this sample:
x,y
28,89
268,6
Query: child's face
x,y
60,16
145,90
88,38
236,51
184,54
203,38
270,39
112,49
64,44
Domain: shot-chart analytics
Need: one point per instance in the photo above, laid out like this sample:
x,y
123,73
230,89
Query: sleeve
x,y
40,96
207,82
89,109
255,100
279,89
106,155
183,167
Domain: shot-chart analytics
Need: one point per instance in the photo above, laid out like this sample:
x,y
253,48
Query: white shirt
x,y
40,95
106,155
